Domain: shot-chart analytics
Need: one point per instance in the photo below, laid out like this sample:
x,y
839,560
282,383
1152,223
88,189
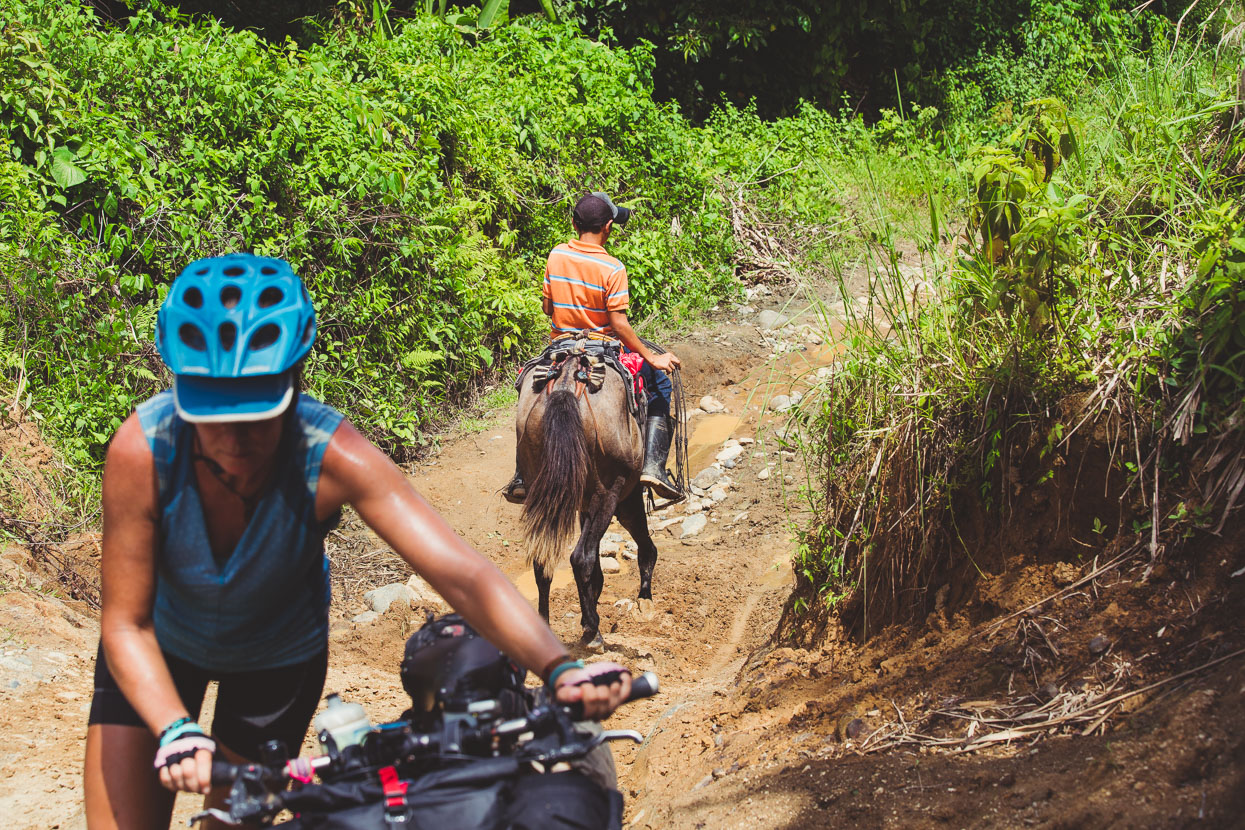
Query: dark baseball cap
x,y
594,210
620,214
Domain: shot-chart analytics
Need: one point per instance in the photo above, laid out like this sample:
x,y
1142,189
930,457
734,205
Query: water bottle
x,y
346,723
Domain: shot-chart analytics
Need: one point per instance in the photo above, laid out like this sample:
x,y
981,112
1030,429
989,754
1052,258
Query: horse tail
x,y
551,509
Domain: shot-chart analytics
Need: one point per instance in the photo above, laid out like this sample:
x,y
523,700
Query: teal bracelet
x,y
563,667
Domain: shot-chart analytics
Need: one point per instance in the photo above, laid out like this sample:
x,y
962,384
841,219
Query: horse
x,y
581,452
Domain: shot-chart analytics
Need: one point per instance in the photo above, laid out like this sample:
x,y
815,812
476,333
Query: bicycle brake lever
x,y
617,735
211,812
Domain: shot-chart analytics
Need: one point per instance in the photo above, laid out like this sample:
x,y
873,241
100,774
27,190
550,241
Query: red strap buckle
x,y
394,789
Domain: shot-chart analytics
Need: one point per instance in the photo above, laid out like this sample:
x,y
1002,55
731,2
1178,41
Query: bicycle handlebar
x,y
302,769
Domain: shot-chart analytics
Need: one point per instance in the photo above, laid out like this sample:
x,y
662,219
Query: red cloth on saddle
x,y
634,364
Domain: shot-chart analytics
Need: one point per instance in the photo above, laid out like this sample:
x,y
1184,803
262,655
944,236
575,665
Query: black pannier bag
x,y
447,666
489,794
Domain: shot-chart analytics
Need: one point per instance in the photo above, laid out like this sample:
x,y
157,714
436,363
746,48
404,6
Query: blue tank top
x,y
266,605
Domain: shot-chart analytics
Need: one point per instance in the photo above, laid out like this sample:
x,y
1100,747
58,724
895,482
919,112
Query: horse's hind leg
x,y
631,516
542,589
586,564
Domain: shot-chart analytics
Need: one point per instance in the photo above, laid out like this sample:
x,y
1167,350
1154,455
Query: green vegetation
x,y
414,177
1043,202
1098,282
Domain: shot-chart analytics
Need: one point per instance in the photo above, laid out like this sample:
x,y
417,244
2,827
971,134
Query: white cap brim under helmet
x,y
204,400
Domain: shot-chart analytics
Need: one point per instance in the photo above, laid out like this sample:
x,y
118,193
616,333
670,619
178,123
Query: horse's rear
x,y
581,452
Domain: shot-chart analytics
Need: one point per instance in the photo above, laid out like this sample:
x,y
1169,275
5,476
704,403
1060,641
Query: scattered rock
x,y
746,440
612,538
610,565
730,464
692,507
788,479
630,555
780,403
739,517
855,728
730,453
712,405
624,605
731,442
381,598
824,372
693,525
365,618
764,474
667,522
717,495
707,477
424,593
1099,646
745,310
770,320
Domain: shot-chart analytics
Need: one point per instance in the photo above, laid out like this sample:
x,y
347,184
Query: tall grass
x,y
1047,301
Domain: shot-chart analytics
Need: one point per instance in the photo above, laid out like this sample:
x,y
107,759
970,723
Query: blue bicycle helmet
x,y
231,330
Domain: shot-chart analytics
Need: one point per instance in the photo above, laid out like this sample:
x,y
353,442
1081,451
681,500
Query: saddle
x,y
592,357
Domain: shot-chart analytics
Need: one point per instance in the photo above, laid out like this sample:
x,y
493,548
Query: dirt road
x,y
747,732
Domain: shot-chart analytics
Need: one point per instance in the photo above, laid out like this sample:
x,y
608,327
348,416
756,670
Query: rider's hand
x,y
665,362
599,702
184,759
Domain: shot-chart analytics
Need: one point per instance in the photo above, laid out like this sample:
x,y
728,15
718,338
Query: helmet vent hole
x,y
309,331
234,271
230,296
192,337
228,335
268,270
270,296
193,298
202,271
265,337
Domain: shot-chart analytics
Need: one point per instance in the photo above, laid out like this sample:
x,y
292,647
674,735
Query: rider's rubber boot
x,y
657,434
516,491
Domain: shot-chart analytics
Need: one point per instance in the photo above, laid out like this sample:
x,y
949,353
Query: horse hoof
x,y
596,645
647,610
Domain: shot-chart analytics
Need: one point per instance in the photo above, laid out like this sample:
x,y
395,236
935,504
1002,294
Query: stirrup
x,y
663,487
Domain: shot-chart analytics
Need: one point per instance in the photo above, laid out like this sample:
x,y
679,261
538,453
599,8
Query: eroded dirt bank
x,y
1034,660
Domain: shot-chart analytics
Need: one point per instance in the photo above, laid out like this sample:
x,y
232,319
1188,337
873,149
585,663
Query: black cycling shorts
x,y
252,707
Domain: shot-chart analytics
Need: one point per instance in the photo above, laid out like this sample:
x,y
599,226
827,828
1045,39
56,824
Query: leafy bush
x,y
415,179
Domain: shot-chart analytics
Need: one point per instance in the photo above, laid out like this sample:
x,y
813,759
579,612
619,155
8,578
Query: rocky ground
x,y
1092,692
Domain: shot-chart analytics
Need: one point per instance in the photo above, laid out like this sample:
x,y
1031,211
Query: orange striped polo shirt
x,y
584,283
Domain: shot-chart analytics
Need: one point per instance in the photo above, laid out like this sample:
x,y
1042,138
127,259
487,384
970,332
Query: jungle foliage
x,y
415,177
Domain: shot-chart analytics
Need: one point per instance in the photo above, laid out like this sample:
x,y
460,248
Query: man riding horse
x,y
585,292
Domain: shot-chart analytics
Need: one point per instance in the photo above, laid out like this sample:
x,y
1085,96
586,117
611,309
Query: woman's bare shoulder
x,y
129,468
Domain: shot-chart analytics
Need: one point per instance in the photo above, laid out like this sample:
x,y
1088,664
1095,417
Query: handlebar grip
x,y
224,772
645,685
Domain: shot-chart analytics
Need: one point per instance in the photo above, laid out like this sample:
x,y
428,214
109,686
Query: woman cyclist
x,y
217,495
